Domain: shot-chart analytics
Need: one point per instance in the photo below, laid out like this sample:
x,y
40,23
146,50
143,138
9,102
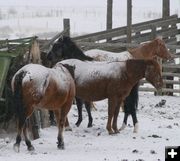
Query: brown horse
x,y
150,50
99,80
36,86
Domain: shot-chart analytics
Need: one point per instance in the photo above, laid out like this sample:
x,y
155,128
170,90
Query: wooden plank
x,y
109,14
117,45
171,74
174,66
164,81
157,24
152,22
145,89
129,20
147,36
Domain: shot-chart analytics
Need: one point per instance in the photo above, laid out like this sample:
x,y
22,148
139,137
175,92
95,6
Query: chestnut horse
x,y
35,86
100,80
150,50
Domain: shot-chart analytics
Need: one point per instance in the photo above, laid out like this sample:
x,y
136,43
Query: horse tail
x,y
20,109
131,101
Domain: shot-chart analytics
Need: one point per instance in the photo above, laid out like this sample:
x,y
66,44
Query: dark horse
x,y
146,51
99,80
35,86
65,48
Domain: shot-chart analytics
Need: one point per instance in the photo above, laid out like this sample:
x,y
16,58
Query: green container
x,y
4,67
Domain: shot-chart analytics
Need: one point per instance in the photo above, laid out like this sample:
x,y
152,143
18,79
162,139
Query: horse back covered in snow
x,y
35,86
113,80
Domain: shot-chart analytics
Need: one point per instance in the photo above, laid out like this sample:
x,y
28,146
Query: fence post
x,y
129,20
66,25
166,13
109,16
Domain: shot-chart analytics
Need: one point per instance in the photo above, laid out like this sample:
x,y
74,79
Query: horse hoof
x,y
68,128
122,127
61,146
53,123
116,131
89,125
135,128
16,148
31,148
77,123
111,132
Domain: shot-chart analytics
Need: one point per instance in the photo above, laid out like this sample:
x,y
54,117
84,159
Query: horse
x,y
149,50
36,86
65,48
152,49
100,80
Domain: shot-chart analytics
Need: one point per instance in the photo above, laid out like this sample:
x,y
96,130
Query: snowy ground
x,y
159,127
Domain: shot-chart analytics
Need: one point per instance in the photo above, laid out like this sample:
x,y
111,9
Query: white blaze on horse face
x,y
102,55
86,72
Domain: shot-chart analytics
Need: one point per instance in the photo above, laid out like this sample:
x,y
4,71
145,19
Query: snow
x,y
87,71
159,127
102,55
87,144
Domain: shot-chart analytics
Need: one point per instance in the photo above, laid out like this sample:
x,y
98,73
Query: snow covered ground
x,y
159,126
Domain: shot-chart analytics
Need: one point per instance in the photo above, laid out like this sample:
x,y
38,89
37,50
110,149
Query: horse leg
x,y
61,117
60,129
20,126
124,121
27,140
116,113
111,110
51,118
135,121
67,126
130,106
88,109
79,107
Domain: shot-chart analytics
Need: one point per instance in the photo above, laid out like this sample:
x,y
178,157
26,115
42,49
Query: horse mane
x,y
74,50
70,68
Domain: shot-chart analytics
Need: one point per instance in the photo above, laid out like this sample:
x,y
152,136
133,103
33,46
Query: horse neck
x,y
145,51
135,70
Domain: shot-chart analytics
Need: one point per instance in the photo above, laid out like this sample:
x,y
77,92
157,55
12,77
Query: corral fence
x,y
116,40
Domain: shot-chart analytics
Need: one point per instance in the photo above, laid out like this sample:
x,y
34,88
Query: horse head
x,y
153,73
161,49
55,53
65,48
